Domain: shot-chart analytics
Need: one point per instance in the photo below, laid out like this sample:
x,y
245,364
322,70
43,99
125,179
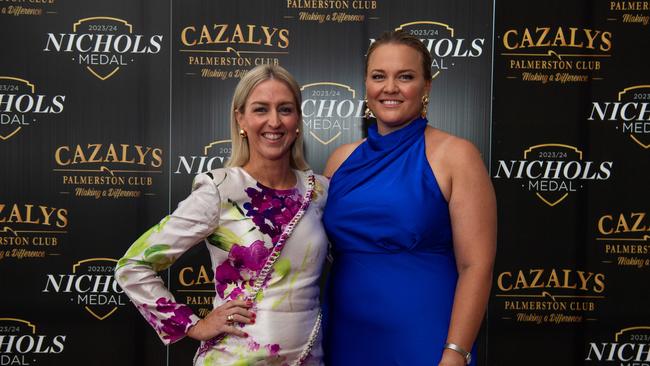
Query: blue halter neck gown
x,y
392,283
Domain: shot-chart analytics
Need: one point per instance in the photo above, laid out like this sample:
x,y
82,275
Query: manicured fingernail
x,y
254,315
245,335
253,321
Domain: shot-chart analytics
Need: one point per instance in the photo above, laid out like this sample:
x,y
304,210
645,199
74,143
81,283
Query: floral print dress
x,y
241,221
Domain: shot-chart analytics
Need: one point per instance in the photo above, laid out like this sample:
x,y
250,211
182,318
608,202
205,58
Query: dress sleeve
x,y
194,219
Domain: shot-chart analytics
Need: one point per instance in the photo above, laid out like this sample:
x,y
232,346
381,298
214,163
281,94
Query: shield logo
x,y
635,94
328,109
10,122
102,65
428,31
553,151
105,306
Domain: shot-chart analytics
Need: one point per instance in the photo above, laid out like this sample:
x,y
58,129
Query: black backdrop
x,y
108,109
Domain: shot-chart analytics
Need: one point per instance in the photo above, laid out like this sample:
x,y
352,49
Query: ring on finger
x,y
230,318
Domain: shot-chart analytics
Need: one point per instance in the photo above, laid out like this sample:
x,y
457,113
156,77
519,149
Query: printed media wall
x,y
569,161
108,109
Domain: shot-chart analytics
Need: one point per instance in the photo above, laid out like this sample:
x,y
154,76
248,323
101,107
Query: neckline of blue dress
x,y
382,142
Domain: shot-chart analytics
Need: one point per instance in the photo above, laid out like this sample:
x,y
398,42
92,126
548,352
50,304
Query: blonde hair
x,y
403,38
240,149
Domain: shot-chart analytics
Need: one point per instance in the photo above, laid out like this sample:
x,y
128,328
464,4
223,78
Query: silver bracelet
x,y
457,348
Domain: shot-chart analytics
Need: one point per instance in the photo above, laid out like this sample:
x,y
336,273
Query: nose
x,y
274,119
390,86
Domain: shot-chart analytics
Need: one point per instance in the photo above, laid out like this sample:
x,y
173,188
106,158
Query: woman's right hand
x,y
216,322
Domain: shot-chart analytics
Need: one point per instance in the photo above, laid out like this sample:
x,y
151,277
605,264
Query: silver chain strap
x,y
310,342
273,257
277,249
266,270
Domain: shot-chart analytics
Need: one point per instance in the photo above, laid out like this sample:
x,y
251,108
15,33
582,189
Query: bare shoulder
x,y
339,156
449,151
453,160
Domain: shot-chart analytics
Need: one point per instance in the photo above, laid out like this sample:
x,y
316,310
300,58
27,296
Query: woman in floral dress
x,y
261,221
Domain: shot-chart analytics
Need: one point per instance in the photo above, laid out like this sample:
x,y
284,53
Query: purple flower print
x,y
273,349
252,257
243,263
225,274
271,209
175,325
253,346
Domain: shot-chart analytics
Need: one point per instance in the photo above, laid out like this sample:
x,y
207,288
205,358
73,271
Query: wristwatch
x,y
457,348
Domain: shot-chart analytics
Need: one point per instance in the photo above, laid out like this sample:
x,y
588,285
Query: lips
x,y
272,136
390,102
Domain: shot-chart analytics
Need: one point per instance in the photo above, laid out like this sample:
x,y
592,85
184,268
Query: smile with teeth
x,y
391,102
273,136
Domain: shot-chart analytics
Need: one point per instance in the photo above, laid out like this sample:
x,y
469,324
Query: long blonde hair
x,y
240,149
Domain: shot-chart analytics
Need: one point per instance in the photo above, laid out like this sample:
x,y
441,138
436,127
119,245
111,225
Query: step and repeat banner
x,y
570,158
109,108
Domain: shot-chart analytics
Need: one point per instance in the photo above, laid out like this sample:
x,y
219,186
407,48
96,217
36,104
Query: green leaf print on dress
x,y
245,352
224,239
155,255
293,278
140,245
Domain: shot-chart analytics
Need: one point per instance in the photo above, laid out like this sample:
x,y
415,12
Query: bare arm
x,y
472,208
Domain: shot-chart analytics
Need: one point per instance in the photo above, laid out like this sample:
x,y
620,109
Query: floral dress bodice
x,y
240,221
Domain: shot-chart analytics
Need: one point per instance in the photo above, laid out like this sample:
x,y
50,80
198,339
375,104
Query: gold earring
x,y
243,133
367,113
425,104
297,132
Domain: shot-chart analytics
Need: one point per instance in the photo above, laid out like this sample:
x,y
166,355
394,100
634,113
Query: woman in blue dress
x,y
411,217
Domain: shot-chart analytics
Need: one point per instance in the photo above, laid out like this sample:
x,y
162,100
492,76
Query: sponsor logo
x,y
549,295
553,171
23,343
91,284
556,55
332,11
629,113
21,106
629,347
196,288
29,230
634,13
34,8
103,45
447,47
330,109
228,51
108,170
212,156
623,238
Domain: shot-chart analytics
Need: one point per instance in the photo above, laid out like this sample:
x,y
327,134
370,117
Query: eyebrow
x,y
266,103
398,71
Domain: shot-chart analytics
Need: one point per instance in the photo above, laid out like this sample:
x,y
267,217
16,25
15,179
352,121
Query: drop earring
x,y
425,105
367,114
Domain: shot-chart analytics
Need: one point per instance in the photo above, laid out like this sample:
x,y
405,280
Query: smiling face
x,y
395,85
270,118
